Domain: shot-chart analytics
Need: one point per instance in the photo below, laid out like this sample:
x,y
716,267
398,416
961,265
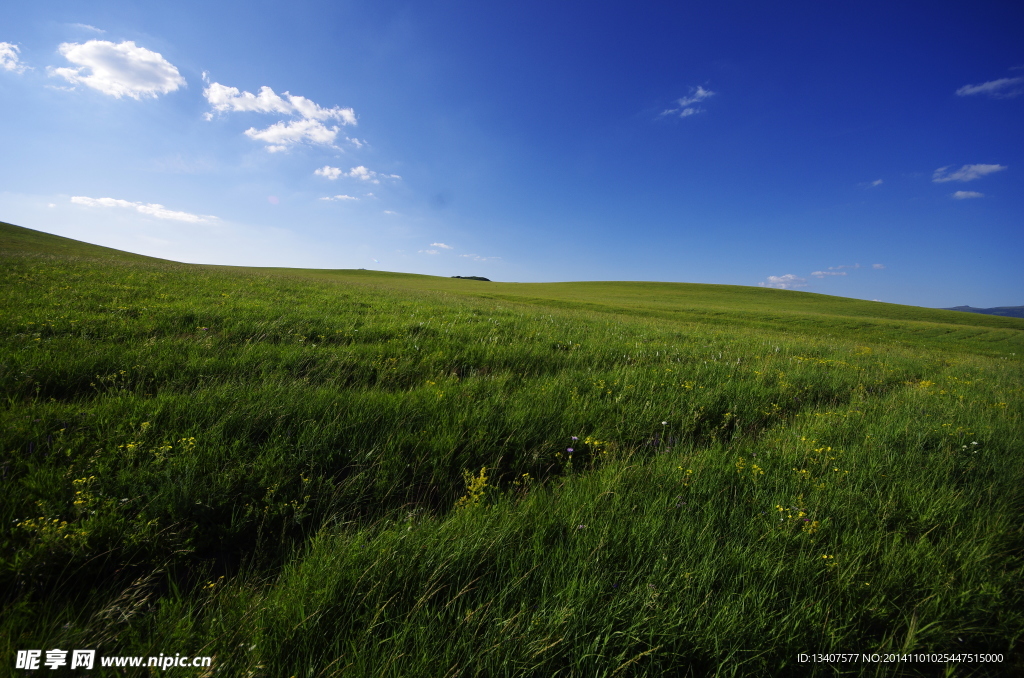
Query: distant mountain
x,y
1005,311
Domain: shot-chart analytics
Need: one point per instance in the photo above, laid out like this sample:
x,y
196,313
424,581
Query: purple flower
x,y
575,438
568,449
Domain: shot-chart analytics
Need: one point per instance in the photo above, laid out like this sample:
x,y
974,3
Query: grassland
x,y
356,473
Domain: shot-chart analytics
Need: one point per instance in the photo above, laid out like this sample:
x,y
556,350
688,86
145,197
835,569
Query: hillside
x,y
783,311
1005,311
358,473
24,241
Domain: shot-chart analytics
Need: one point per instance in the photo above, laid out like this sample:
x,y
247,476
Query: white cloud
x,y
307,125
477,257
340,197
119,70
392,213
822,274
281,135
365,174
151,209
441,245
1001,88
9,58
430,251
839,268
309,109
685,105
331,173
876,182
964,195
877,267
361,173
784,282
223,99
965,173
87,27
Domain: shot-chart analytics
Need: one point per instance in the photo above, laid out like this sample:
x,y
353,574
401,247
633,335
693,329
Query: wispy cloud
x,y
430,251
149,209
790,280
876,182
119,70
364,174
87,27
340,197
441,245
835,270
178,163
9,58
964,195
698,94
685,106
477,257
784,282
965,173
1002,88
307,124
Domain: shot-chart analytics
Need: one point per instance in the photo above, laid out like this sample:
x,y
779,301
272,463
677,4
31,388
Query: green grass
x,y
355,473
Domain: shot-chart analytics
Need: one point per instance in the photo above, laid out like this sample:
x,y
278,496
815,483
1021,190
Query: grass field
x,y
355,473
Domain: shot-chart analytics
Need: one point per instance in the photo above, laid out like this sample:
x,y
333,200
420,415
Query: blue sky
x,y
870,151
